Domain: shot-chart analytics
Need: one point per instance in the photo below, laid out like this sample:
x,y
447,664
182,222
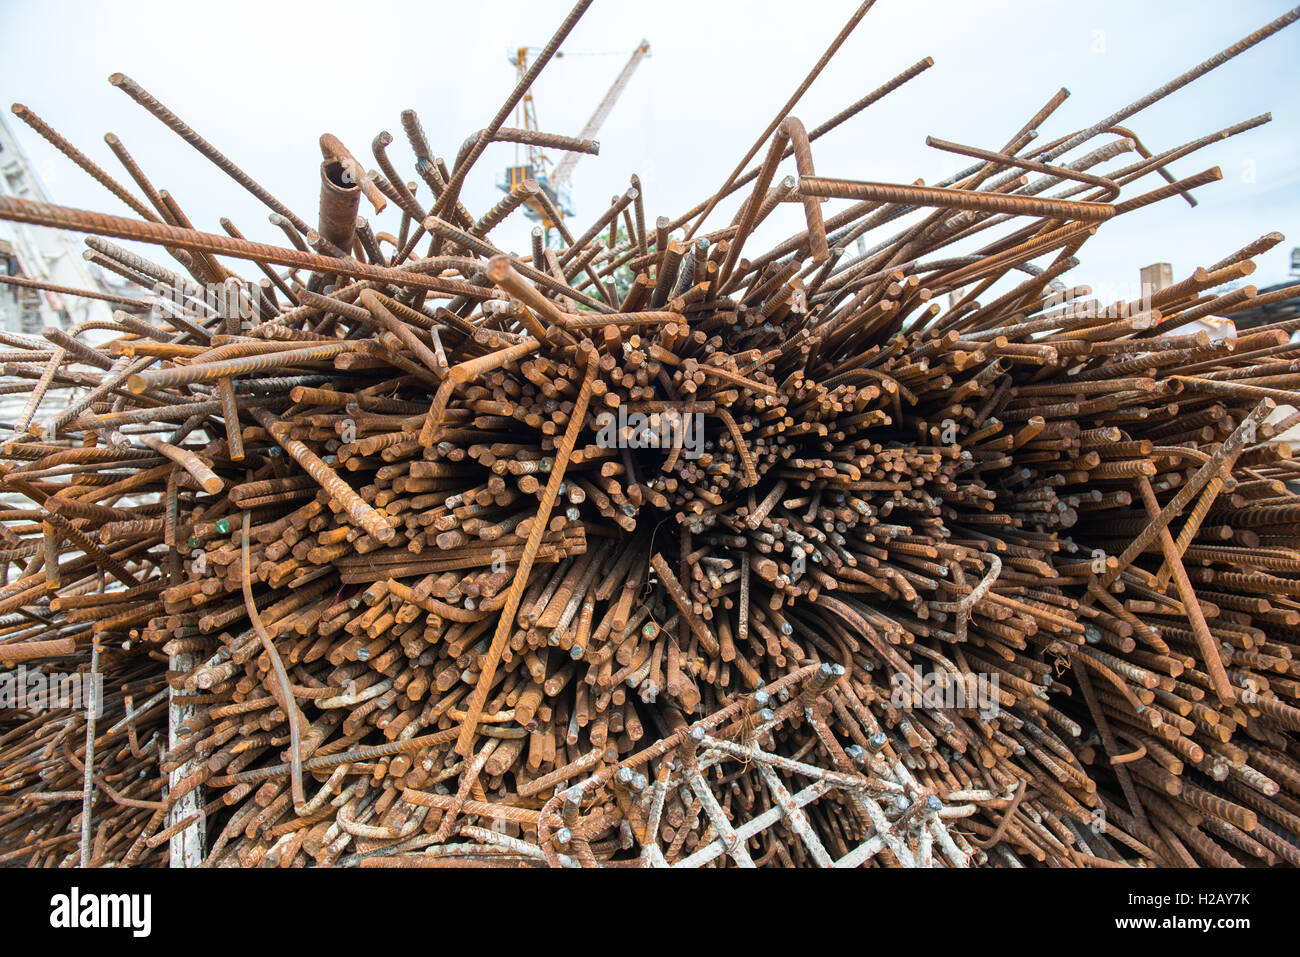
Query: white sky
x,y
262,80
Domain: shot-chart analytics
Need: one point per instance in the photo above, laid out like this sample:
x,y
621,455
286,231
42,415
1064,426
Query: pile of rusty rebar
x,y
415,551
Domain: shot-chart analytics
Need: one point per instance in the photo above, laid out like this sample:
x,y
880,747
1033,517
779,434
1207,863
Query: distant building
x,y
40,253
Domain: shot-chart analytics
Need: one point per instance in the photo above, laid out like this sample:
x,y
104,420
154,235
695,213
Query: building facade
x,y
35,252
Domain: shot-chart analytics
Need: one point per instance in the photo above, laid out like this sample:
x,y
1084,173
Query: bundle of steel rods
x,y
414,551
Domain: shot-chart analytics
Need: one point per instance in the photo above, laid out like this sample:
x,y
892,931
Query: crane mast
x,y
526,118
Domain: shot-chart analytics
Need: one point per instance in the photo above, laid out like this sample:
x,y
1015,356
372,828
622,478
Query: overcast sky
x,y
262,80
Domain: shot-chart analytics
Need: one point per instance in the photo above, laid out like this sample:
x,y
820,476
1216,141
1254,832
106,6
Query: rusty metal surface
x,y
655,548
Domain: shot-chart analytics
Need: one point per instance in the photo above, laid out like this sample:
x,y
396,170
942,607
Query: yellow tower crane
x,y
555,178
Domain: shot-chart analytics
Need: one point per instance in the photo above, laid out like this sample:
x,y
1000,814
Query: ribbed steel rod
x,y
83,221
953,198
174,122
